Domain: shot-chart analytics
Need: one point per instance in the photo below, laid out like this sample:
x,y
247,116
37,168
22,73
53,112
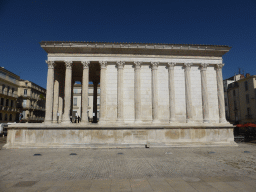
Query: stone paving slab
x,y
139,169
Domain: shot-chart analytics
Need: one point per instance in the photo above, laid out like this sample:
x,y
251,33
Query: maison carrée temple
x,y
151,95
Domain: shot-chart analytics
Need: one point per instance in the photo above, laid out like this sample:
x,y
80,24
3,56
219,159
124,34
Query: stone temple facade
x,y
150,94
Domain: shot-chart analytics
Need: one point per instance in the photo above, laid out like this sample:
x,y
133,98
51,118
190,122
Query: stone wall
x,y
118,137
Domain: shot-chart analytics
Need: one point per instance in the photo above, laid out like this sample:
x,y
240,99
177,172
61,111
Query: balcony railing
x,y
4,92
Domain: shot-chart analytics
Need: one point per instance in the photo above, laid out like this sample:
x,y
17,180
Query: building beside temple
x,y
242,100
9,83
226,82
150,94
31,102
77,102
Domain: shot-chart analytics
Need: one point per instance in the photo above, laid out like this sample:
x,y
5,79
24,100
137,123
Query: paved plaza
x,y
138,169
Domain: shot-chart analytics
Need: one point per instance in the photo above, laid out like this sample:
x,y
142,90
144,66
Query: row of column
x,y
54,102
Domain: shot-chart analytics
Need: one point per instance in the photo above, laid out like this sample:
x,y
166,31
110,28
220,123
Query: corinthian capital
x,y
203,66
187,66
154,65
50,64
171,65
120,64
219,66
137,64
85,64
103,64
68,64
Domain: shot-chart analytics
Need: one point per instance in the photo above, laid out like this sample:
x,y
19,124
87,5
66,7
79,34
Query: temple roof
x,y
133,48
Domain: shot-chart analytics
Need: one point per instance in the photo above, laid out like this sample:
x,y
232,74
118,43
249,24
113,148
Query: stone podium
x,y
150,94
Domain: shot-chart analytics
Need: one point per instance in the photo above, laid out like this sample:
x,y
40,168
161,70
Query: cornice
x,y
133,48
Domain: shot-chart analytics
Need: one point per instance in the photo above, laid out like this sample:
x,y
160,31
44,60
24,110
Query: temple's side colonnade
x,y
192,112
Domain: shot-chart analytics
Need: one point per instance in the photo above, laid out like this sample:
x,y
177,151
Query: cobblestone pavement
x,y
138,169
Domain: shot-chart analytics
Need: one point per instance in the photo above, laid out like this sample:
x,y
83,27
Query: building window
x,y
247,98
1,117
249,113
246,85
7,102
11,103
2,101
25,92
235,107
24,103
75,102
8,89
234,92
5,117
3,87
26,84
10,117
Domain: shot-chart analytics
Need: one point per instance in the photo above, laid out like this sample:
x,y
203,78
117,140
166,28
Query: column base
x,y
138,122
206,121
47,122
156,121
189,121
65,122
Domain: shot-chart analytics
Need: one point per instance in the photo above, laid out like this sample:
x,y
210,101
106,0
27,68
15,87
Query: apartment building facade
x,y
31,101
9,83
242,100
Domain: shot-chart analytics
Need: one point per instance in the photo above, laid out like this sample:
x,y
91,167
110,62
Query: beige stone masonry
x,y
67,97
49,93
120,84
171,92
205,101
85,91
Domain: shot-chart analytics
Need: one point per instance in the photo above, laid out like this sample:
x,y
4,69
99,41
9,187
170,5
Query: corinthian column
x,y
154,93
222,118
120,85
49,92
68,91
60,109
55,101
137,92
85,91
205,101
103,66
189,116
171,92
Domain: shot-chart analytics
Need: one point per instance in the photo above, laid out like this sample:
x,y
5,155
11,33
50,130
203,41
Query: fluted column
x,y
205,101
55,101
120,83
171,92
85,91
222,118
103,107
137,92
60,109
49,92
68,91
155,117
189,116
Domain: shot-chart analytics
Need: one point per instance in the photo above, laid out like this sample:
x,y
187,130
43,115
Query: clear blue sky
x,y
24,23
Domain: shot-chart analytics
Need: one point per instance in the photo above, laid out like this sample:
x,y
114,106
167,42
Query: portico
x,y
174,93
